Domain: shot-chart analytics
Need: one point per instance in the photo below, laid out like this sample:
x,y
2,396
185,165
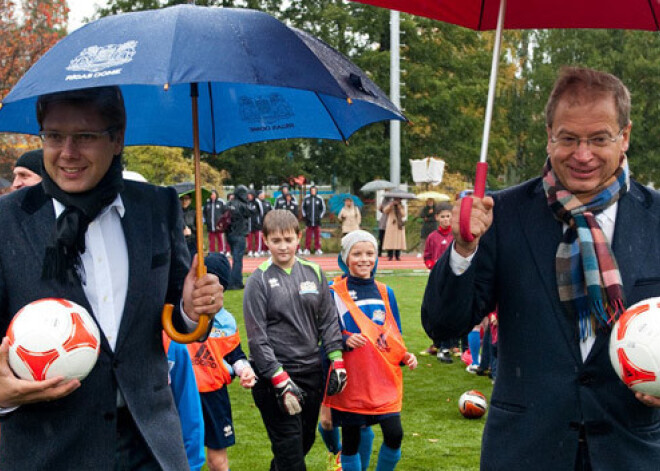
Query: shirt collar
x,y
118,204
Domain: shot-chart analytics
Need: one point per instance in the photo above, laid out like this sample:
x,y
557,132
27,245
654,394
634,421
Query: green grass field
x,y
436,436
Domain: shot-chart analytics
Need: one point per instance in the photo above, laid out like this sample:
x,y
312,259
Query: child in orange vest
x,y
369,318
215,362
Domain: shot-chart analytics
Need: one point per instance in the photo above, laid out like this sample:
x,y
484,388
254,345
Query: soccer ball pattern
x,y
472,404
635,347
53,337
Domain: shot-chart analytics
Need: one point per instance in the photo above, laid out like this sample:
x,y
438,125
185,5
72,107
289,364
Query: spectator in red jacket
x,y
439,240
436,244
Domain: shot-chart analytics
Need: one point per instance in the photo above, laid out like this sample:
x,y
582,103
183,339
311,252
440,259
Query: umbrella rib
x,y
481,14
208,84
343,138
655,18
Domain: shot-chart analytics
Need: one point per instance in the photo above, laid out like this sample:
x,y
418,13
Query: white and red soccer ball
x,y
635,347
53,337
472,404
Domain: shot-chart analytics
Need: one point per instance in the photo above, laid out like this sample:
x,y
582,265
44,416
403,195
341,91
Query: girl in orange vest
x,y
371,326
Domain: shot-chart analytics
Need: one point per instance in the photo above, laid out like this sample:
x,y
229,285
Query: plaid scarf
x,y
588,276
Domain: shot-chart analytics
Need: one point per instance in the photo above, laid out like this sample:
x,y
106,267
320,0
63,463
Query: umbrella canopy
x,y
336,202
241,75
404,195
437,196
376,185
258,79
523,14
188,188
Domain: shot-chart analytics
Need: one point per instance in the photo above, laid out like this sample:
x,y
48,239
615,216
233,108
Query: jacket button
x,y
585,379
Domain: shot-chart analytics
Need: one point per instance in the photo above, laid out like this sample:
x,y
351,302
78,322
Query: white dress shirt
x,y
605,218
105,262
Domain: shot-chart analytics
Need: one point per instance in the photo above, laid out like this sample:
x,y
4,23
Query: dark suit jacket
x,y
544,392
78,432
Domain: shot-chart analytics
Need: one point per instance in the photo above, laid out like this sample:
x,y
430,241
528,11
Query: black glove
x,y
289,396
336,378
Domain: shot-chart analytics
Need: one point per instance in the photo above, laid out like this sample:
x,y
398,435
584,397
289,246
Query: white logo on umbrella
x,y
97,58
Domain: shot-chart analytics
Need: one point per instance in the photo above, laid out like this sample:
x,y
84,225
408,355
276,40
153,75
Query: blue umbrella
x,y
257,79
336,202
240,74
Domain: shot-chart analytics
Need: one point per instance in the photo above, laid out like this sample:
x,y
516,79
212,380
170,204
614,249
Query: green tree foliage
x,y
167,165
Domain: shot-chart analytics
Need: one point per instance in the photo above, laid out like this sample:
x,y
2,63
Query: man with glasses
x,y
560,256
116,247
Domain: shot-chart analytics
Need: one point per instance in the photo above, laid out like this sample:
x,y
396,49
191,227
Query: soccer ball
x,y
53,337
472,404
635,347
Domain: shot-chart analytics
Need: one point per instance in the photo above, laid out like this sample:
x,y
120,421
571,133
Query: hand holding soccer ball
x,y
635,350
51,345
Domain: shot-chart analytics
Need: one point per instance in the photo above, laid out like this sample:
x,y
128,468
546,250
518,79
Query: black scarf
x,y
62,260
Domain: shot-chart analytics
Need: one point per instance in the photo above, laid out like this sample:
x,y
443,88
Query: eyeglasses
x,y
80,139
599,140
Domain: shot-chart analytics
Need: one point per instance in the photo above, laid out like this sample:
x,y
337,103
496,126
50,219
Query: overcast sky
x,y
80,9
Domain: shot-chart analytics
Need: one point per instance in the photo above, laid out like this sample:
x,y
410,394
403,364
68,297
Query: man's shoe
x,y
472,369
482,371
445,356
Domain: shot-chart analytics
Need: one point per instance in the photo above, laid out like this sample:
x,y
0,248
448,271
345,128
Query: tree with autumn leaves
x,y
28,29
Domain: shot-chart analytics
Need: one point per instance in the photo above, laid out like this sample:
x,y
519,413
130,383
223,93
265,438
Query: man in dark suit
x,y
557,403
116,247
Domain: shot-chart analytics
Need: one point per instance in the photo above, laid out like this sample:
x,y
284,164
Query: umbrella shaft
x,y
492,85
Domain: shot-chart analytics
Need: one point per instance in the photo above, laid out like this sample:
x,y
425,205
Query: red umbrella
x,y
522,14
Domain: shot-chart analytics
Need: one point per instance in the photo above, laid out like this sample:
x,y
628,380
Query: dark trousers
x,y
132,453
392,435
314,231
237,247
394,254
291,437
381,236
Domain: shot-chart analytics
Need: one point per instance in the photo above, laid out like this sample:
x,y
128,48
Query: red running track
x,y
328,262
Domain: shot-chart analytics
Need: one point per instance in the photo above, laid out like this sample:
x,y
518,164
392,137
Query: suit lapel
x,y
543,233
137,231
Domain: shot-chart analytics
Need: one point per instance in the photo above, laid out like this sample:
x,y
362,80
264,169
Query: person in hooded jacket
x,y
213,209
254,225
238,230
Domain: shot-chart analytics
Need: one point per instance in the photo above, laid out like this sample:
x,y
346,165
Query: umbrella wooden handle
x,y
466,203
166,319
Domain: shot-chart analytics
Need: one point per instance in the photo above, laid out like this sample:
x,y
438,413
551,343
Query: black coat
x,y
212,212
